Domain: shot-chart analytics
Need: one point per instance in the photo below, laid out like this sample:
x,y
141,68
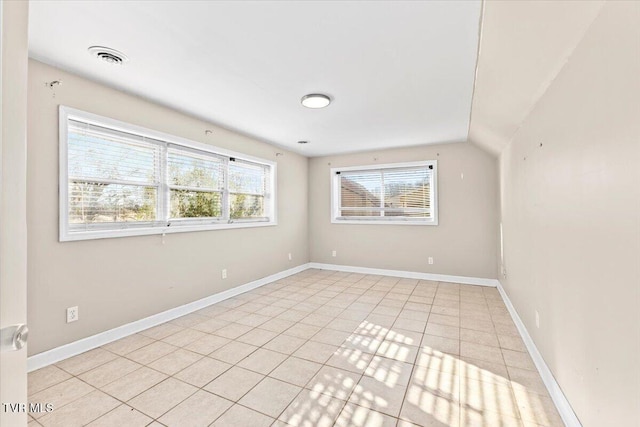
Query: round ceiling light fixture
x,y
108,55
303,142
315,100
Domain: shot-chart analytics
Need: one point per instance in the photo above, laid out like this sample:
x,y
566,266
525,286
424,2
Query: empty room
x,y
320,213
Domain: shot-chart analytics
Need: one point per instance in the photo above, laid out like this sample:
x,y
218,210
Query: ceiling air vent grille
x,y
108,55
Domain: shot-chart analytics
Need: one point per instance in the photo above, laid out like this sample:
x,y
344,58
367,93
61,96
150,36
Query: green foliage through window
x,y
113,179
195,204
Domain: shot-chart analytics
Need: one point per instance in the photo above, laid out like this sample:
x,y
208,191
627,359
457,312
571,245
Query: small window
x,y
122,180
401,193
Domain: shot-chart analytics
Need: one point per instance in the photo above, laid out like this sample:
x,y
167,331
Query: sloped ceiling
x,y
401,72
523,46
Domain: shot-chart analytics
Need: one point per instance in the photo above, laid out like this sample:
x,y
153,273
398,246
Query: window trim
x,y
335,194
150,228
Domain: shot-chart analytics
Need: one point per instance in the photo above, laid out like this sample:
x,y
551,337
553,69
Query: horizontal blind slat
x,y
100,203
190,169
396,192
112,175
248,184
97,155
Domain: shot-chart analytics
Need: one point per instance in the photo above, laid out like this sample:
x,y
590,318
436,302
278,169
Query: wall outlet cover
x,y
72,314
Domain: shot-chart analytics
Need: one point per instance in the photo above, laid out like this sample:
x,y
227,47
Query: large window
x,y
118,180
401,193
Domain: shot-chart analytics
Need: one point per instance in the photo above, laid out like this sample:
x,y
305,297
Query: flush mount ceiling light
x,y
108,55
303,142
315,100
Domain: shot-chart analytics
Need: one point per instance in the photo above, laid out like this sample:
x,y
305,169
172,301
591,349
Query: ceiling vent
x,y
108,55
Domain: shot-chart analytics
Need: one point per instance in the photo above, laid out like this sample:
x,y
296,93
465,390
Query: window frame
x,y
336,188
162,225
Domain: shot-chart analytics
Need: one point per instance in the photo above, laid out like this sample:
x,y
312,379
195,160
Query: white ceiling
x,y
523,47
400,73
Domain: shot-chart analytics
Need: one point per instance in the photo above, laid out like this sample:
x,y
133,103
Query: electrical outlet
x,y
290,258
334,253
537,320
224,273
72,314
430,260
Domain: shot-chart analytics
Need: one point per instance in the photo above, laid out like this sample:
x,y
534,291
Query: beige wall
x,y
571,215
13,201
463,243
116,281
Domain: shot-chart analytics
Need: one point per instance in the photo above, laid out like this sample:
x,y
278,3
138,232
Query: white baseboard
x,y
407,274
57,354
562,403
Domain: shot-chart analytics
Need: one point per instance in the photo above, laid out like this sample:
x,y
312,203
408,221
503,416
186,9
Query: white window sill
x,y
379,221
71,236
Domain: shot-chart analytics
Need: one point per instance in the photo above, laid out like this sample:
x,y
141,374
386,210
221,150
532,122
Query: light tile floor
x,y
321,348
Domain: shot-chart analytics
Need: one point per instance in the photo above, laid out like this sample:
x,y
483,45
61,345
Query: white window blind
x,y
387,193
113,177
121,180
196,184
247,189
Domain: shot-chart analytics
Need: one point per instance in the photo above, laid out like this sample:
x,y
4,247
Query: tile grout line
x,y
256,327
347,400
303,388
237,402
324,365
341,296
511,390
